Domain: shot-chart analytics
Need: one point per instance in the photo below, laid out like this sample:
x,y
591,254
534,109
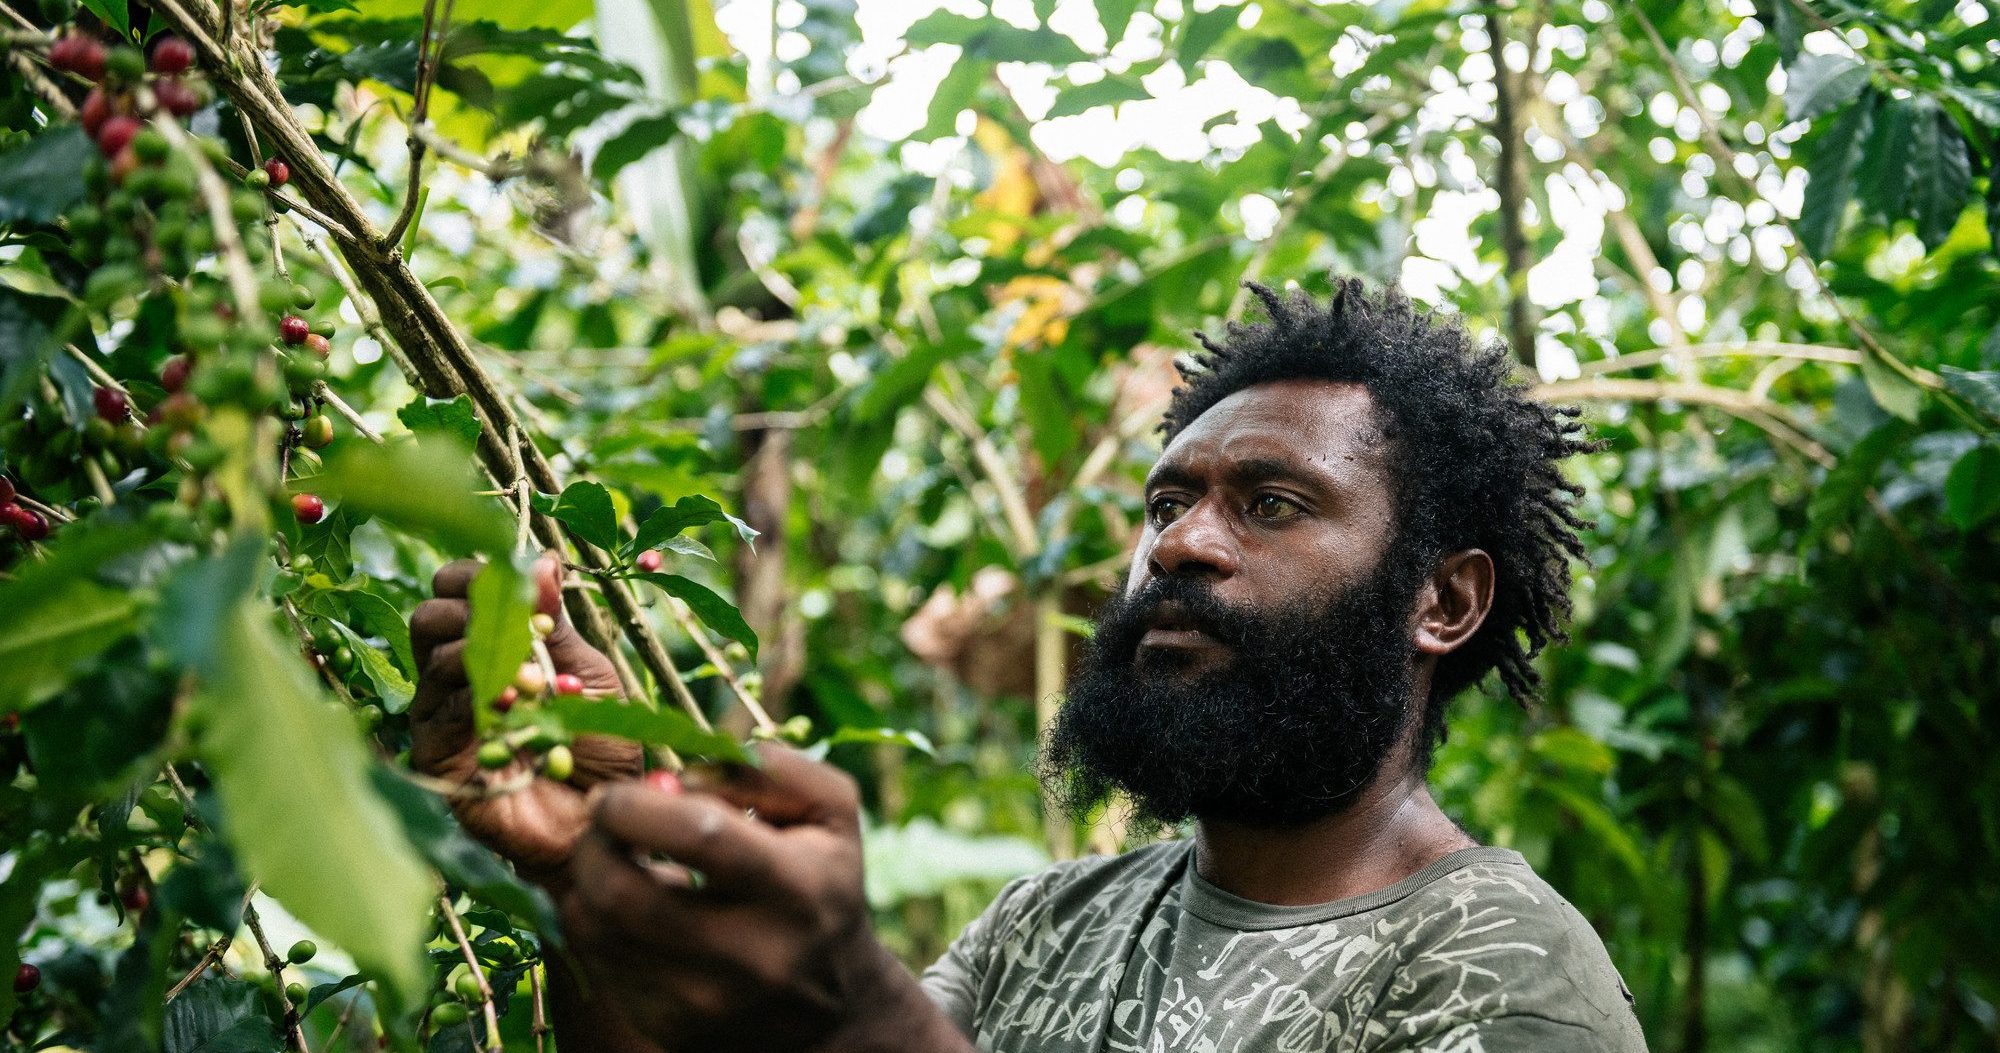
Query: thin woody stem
x,y
472,963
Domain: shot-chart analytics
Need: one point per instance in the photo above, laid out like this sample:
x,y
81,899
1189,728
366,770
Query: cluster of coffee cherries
x,y
29,524
111,114
533,682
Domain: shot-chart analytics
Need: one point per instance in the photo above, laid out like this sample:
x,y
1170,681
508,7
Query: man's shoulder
x,y
1487,940
1095,884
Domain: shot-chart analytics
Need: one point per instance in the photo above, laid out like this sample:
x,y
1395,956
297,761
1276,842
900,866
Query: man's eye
x,y
1165,510
1271,506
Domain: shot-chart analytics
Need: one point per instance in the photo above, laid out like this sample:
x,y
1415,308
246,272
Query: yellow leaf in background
x,y
1048,303
1013,191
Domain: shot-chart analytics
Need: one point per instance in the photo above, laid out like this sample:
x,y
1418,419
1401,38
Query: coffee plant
x,y
819,347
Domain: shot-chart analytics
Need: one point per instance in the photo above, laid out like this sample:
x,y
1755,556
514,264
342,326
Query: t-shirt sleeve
x,y
1504,967
954,981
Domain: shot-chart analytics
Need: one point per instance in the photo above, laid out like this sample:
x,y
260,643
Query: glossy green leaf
x,y
453,416
463,862
301,812
691,511
1836,160
585,507
1972,490
42,178
497,635
1817,84
1941,173
954,94
1892,391
714,611
656,727
429,486
395,690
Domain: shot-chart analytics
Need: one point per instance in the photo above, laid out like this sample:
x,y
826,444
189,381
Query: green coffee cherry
x,y
467,986
495,754
451,1014
302,952
559,763
295,992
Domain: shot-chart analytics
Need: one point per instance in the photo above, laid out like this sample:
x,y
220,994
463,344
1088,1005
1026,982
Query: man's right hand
x,y
538,826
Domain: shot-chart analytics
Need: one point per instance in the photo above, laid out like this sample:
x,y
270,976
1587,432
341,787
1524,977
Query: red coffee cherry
x,y
309,508
279,171
26,522
77,53
115,133
318,345
27,977
664,781
649,560
294,330
569,684
112,405
95,111
174,375
177,97
172,55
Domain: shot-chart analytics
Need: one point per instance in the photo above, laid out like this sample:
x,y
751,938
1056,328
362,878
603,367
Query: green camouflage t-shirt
x,y
1472,954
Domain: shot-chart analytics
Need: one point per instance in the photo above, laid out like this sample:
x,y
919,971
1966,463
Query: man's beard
x,y
1288,727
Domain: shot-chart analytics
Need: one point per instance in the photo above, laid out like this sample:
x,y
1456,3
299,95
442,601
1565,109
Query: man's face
x,y
1258,665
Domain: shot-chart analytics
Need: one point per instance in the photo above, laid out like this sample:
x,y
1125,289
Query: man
x,y
1356,516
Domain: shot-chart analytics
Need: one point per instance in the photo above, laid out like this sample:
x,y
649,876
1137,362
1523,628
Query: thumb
x,y
548,585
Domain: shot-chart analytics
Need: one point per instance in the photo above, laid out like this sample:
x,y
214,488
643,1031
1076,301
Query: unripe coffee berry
x,y
295,992
255,179
451,1014
495,754
308,508
318,431
530,680
542,624
302,952
559,763
467,986
172,55
293,330
318,345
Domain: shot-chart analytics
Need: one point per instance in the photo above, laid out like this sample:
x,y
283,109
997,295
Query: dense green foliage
x,y
650,272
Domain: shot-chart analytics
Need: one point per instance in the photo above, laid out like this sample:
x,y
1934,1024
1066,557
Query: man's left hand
x,y
714,929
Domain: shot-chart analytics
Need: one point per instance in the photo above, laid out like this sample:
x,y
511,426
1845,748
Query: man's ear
x,y
1453,602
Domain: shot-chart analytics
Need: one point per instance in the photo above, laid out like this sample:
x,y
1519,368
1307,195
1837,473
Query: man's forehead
x,y
1305,421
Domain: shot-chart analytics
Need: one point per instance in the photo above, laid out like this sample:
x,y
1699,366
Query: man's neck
x,y
1391,831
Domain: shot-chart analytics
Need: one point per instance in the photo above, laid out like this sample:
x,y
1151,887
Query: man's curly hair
x,y
1476,461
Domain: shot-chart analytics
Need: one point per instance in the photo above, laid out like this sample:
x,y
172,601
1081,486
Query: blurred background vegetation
x,y
903,288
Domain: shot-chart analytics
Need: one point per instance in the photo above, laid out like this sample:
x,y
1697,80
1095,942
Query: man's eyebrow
x,y
1251,470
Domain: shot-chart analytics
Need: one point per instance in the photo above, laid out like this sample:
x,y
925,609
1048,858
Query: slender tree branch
x,y
686,620
493,1043
215,952
430,52
1013,500
1744,349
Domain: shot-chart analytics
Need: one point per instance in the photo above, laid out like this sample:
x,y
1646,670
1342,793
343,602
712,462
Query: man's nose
x,y
1198,544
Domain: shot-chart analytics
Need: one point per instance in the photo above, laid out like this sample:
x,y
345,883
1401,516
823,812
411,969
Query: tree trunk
x,y
1511,183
